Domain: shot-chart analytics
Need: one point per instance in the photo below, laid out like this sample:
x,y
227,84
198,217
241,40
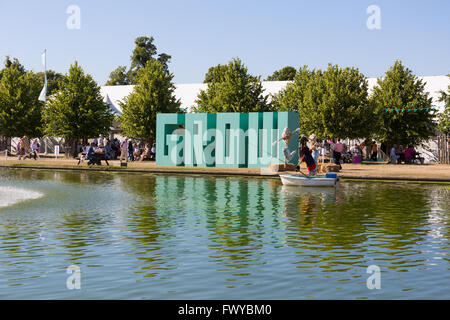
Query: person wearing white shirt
x,y
124,150
35,148
393,156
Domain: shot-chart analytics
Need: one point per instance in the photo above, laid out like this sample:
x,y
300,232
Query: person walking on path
x,y
124,150
21,149
130,150
337,151
34,149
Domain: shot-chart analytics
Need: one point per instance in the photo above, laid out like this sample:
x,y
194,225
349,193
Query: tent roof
x,y
187,92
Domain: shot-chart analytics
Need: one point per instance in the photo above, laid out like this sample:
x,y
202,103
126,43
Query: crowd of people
x,y
339,152
399,154
27,148
132,150
125,150
95,150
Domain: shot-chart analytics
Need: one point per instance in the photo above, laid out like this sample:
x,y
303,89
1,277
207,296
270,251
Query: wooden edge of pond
x,y
236,172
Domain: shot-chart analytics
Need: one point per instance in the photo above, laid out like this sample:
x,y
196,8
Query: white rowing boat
x,y
300,180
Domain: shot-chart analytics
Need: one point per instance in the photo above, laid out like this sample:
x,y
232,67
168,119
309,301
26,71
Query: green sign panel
x,y
228,140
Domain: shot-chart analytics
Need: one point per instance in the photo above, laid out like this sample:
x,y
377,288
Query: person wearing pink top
x,y
338,147
409,154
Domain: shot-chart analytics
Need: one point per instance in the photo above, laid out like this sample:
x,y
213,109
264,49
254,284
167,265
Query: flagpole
x,y
45,76
45,84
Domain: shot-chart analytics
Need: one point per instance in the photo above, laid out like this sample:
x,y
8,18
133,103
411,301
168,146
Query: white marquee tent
x,y
187,93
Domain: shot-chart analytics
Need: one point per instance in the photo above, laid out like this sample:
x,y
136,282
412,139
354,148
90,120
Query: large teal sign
x,y
231,140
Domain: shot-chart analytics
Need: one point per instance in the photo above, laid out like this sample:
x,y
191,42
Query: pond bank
x,y
426,173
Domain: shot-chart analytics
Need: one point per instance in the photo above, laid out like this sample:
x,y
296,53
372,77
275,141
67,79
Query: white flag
x,y
42,96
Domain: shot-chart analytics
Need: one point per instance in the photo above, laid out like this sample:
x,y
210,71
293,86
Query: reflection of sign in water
x,y
74,280
56,151
233,140
374,281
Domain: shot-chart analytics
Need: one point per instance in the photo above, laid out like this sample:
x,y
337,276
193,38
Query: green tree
x,y
77,110
285,74
412,120
232,90
152,94
53,79
444,117
118,77
20,109
144,51
215,74
14,63
331,103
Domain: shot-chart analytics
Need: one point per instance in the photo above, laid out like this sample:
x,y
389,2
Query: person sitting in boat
x,y
309,160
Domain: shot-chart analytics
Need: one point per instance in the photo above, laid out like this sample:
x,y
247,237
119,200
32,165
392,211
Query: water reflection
x,y
152,220
236,215
184,234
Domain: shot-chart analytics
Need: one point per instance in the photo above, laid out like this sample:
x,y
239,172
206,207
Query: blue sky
x,y
266,35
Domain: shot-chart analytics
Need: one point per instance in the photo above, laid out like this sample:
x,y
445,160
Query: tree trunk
x,y
5,144
70,148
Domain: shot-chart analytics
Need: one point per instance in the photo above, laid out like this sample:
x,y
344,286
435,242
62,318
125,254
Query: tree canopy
x,y
118,77
53,80
76,110
444,117
152,94
285,74
14,63
401,89
215,74
144,51
232,89
20,109
331,103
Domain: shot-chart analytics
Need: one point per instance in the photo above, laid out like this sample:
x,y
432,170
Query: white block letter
x,y
374,281
73,281
74,20
374,20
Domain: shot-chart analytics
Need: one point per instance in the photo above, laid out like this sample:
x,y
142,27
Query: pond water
x,y
148,236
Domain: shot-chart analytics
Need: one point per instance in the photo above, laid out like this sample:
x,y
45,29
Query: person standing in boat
x,y
309,160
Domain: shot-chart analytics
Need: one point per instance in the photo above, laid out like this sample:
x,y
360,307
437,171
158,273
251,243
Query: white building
x,y
187,93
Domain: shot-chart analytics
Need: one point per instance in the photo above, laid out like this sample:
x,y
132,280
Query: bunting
x,y
398,110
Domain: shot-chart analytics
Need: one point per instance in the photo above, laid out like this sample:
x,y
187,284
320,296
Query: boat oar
x,y
304,174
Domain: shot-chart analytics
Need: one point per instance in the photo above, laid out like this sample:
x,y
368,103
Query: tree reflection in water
x,y
152,220
163,234
328,228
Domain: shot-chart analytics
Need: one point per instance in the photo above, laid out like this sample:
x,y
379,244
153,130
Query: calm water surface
x,y
145,236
